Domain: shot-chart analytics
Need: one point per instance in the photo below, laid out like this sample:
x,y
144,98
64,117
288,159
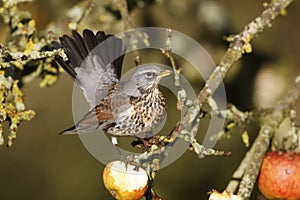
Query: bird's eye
x,y
149,75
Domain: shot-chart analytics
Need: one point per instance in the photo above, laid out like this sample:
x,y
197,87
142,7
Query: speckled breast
x,y
146,113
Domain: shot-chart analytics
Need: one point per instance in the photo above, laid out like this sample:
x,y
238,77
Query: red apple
x,y
280,176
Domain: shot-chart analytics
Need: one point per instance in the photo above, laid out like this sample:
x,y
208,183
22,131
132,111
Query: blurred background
x,y
43,165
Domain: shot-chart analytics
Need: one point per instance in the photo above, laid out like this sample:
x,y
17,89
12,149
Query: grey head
x,y
145,79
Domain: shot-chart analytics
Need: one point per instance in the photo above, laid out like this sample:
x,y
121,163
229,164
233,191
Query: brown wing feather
x,y
104,111
100,117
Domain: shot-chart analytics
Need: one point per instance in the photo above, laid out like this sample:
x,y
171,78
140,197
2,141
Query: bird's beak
x,y
165,73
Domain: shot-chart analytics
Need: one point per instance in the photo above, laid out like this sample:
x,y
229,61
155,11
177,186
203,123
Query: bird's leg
x,y
129,160
124,158
114,140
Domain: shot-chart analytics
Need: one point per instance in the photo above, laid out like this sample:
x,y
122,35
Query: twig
x,y
235,118
22,57
77,18
240,44
187,128
181,93
12,3
134,38
122,5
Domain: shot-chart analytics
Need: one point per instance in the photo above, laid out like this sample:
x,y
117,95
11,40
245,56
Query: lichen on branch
x,y
23,57
12,107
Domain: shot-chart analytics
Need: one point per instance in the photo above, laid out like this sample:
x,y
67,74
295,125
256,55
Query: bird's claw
x,y
129,160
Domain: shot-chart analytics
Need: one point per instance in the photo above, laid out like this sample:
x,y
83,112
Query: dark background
x,y
43,165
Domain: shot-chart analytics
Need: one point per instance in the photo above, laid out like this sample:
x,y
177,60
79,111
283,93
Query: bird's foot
x,y
129,160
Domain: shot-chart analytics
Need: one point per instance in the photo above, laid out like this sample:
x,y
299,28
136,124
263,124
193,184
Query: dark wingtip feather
x,y
78,47
66,65
100,36
89,39
82,49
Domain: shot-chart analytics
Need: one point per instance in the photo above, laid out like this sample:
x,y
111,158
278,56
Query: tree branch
x,y
271,122
240,44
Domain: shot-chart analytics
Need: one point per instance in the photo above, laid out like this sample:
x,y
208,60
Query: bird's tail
x,y
70,131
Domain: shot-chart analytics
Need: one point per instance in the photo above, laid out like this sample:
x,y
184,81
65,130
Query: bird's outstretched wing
x,y
94,62
108,112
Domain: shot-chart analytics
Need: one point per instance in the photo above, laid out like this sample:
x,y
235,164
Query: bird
x,y
121,108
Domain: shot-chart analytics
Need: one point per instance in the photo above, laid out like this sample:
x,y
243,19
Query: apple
x,y
279,176
124,181
215,195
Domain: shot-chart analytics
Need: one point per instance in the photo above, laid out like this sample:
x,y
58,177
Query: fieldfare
x,y
120,108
